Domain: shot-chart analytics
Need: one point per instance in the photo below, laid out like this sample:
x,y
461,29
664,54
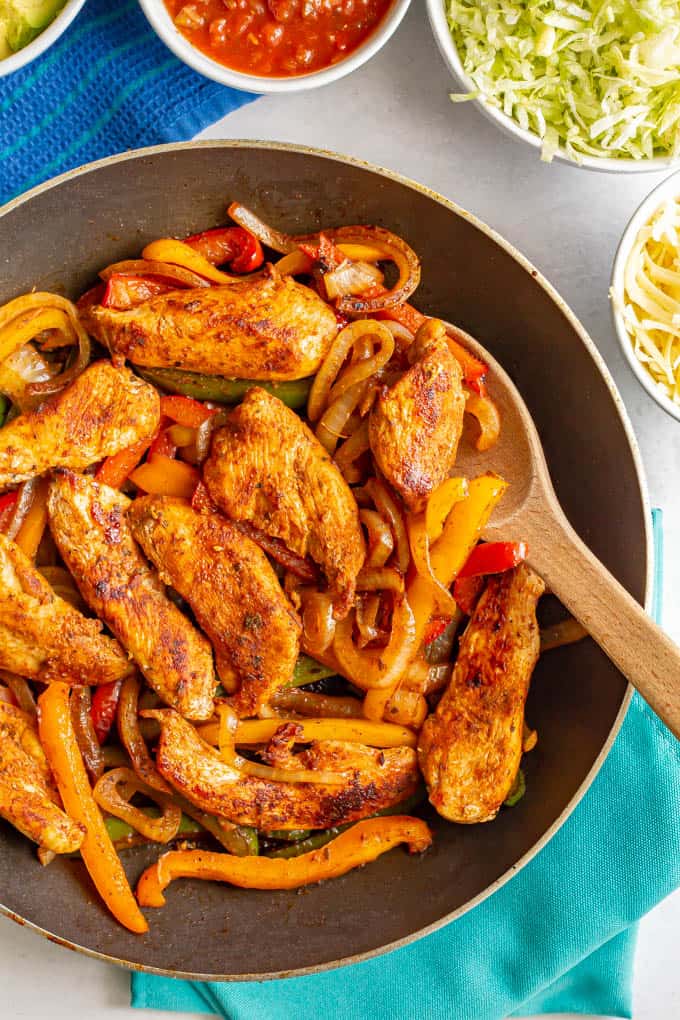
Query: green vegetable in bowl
x,y
21,21
595,78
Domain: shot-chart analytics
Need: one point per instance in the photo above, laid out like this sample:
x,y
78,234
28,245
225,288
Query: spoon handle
x,y
645,655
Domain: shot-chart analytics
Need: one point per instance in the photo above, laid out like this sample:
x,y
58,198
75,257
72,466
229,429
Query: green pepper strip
x,y
308,671
519,788
4,407
319,839
292,392
241,840
289,835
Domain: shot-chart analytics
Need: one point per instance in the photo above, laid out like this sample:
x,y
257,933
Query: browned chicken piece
x,y
265,466
416,424
470,748
267,328
42,637
103,411
26,789
375,779
89,525
231,587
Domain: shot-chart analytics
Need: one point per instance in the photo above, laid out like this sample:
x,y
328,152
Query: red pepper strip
x,y
162,444
186,411
435,628
7,506
466,592
232,245
116,469
104,707
493,558
278,551
124,292
325,253
93,296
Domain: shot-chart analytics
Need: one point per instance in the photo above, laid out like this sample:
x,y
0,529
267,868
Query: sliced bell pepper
x,y
7,504
117,468
177,253
93,296
435,628
293,393
29,535
163,443
327,256
104,707
163,476
493,558
363,843
186,411
101,860
361,731
232,245
123,292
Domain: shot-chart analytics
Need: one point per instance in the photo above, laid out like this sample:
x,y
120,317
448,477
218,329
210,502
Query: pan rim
x,y
619,407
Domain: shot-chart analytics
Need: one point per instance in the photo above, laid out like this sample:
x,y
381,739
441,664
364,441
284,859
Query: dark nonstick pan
x,y
55,238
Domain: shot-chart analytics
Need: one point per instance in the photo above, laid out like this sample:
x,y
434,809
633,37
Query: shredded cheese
x,y
651,300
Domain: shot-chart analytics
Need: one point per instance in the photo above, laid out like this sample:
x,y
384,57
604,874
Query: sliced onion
x,y
318,622
265,234
380,579
365,364
113,793
351,278
350,451
334,360
83,727
380,540
403,337
27,491
377,668
485,412
386,505
131,736
529,738
334,423
21,691
567,632
438,677
185,278
19,371
367,611
323,706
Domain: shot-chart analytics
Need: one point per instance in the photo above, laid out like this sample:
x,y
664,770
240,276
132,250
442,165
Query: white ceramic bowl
x,y
449,51
160,20
667,188
42,42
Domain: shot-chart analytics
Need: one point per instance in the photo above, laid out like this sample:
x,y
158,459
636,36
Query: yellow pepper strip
x,y
419,543
293,263
33,525
462,530
30,324
177,253
360,731
163,476
441,503
101,860
361,252
359,845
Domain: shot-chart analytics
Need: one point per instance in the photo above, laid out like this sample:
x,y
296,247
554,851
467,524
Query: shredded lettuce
x,y
596,78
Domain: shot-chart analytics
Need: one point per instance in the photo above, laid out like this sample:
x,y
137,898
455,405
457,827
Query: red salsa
x,y
280,38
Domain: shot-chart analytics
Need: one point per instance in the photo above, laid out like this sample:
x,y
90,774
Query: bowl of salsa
x,y
274,45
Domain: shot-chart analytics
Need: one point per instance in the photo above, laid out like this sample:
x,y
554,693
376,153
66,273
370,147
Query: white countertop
x,y
395,112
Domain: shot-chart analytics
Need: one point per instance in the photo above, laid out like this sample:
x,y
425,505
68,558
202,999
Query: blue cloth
x,y
558,938
107,85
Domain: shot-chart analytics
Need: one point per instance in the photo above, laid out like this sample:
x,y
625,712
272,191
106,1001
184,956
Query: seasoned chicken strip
x,y
90,527
267,328
376,779
26,788
265,466
103,411
42,637
416,424
470,748
231,587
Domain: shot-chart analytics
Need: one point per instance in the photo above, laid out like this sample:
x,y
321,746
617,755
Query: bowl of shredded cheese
x,y
589,82
645,294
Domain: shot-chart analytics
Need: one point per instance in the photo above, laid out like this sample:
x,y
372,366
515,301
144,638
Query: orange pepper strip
x,y
117,468
260,731
186,411
163,476
101,860
177,253
33,525
359,845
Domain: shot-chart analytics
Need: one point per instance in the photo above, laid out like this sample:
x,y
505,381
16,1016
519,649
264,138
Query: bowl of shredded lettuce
x,y
645,294
595,82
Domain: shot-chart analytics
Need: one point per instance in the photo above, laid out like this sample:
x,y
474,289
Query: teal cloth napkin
x,y
558,938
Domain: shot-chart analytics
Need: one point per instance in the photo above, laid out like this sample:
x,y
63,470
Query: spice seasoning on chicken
x,y
277,38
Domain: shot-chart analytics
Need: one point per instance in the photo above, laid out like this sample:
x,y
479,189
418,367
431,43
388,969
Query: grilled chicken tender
x,y
266,328
89,525
103,411
416,424
265,466
44,638
376,779
231,587
470,748
26,789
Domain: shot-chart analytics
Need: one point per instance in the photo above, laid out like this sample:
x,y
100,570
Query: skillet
x,y
55,238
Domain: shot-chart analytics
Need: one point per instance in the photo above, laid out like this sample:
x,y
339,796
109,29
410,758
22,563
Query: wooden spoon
x,y
530,511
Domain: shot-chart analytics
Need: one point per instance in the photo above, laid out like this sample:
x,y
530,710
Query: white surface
x,y
395,112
